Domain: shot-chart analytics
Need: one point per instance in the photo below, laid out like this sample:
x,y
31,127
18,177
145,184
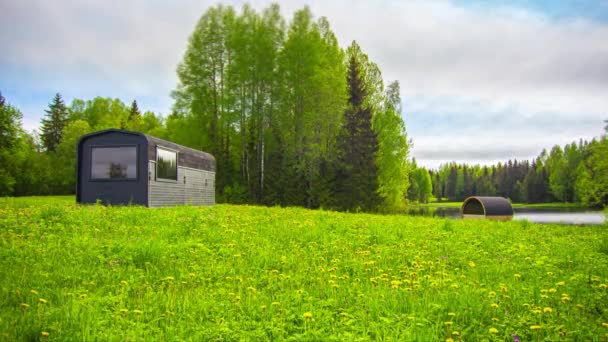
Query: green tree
x,y
134,119
393,150
10,134
357,176
55,120
592,182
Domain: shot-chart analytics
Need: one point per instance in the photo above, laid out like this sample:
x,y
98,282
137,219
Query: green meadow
x,y
226,273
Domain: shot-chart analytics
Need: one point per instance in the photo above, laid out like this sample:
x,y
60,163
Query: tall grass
x,y
250,273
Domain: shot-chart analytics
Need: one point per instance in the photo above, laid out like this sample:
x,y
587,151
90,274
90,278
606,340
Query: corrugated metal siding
x,y
199,188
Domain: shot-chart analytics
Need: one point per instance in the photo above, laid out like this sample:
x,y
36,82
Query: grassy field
x,y
227,272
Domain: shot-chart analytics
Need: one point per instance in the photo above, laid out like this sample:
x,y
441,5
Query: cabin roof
x,y
154,141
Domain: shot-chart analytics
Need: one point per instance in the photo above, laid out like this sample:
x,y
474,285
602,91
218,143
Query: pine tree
x,y
52,125
357,181
134,119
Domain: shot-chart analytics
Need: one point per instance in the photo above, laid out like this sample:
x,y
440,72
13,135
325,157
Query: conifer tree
x,y
357,181
55,120
134,119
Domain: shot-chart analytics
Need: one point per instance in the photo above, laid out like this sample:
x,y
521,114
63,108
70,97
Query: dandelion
x,y
455,333
275,303
491,294
42,300
493,330
494,305
124,283
44,334
264,307
552,290
308,316
169,279
23,305
123,310
535,327
237,298
471,264
561,283
603,286
494,319
451,314
517,275
547,310
605,324
34,292
449,339
448,323
138,312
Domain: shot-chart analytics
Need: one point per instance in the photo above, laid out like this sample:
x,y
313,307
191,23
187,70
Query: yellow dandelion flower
x,y
547,310
565,299
169,279
191,275
550,273
535,327
449,339
237,298
124,282
456,333
517,275
123,310
263,307
603,286
561,283
138,312
42,300
471,264
494,319
34,292
308,315
552,290
580,306
451,314
493,330
536,311
491,294
44,334
605,324
275,303
494,305
448,323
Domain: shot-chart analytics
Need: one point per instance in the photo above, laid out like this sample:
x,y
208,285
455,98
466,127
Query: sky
x,y
481,81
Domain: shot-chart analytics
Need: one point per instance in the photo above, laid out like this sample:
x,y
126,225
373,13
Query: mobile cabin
x,y
495,208
122,167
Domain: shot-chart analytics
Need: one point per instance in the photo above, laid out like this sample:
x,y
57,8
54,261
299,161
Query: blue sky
x,y
481,81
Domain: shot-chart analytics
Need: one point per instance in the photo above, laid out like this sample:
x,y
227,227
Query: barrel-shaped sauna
x,y
495,208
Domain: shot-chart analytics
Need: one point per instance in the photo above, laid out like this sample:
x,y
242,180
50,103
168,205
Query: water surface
x,y
577,216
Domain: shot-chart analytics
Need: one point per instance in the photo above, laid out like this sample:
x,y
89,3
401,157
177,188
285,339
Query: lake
x,y
578,216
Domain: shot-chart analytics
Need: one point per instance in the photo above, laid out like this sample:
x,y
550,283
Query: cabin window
x,y
114,163
166,164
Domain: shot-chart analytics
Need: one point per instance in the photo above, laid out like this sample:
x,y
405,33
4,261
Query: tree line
x,y
576,173
290,116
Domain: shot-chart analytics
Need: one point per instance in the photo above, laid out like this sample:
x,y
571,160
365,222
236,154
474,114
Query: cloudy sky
x,y
481,81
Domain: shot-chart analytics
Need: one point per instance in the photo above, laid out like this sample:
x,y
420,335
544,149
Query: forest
x,y
293,119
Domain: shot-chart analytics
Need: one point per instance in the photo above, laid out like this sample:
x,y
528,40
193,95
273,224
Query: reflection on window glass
x,y
166,164
114,162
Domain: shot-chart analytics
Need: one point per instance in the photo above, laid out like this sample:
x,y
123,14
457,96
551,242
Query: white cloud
x,y
477,83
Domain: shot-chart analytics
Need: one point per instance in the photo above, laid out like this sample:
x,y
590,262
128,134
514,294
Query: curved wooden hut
x,y
496,208
116,166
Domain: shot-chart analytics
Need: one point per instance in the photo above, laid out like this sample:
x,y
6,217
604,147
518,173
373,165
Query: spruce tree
x,y
357,181
55,120
134,119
